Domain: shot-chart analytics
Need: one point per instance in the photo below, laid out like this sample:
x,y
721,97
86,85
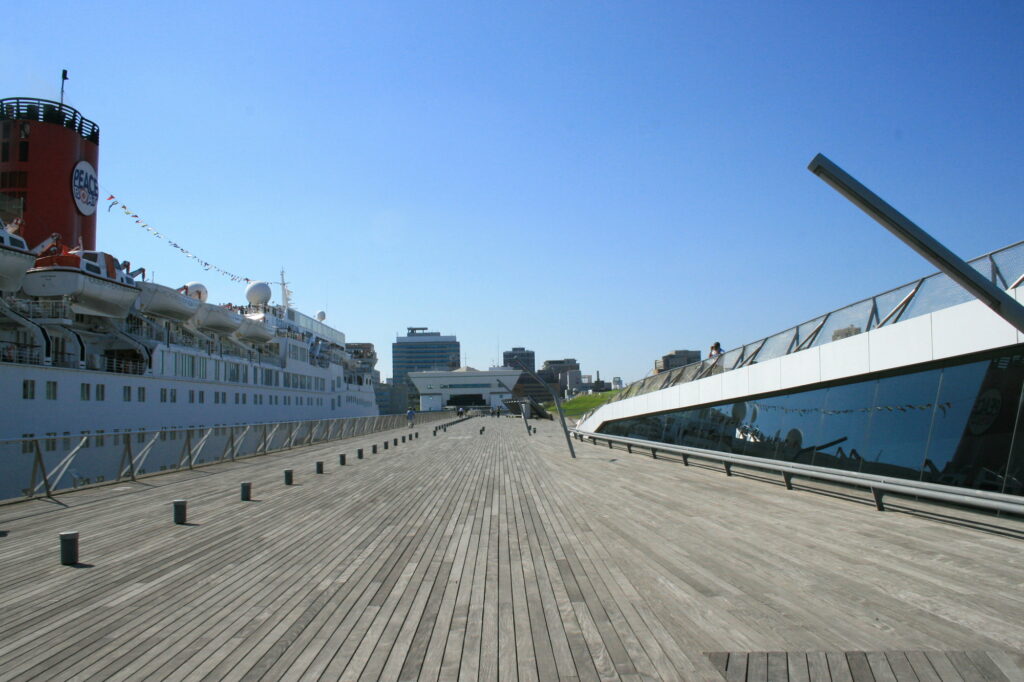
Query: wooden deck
x,y
470,556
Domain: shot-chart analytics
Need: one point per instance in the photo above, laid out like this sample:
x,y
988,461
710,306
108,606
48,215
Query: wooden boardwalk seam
x,y
472,556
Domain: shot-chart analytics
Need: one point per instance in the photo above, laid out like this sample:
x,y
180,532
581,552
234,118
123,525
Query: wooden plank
x,y
777,667
838,667
736,667
860,669
944,668
817,667
796,664
880,667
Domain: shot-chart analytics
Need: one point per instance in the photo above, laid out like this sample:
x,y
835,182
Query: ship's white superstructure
x,y
84,348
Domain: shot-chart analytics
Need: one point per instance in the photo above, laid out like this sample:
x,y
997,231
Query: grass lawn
x,y
583,403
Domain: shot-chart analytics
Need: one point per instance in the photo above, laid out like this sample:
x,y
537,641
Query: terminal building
x,y
921,382
464,387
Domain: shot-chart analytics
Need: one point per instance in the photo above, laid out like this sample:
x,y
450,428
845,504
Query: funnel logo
x,y
85,187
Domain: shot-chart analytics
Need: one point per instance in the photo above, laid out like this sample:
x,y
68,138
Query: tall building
x,y
554,371
676,358
422,351
519,358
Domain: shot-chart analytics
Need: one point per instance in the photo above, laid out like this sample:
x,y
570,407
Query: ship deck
x,y
495,555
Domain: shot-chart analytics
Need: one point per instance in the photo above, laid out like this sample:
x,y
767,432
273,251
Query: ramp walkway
x,y
493,555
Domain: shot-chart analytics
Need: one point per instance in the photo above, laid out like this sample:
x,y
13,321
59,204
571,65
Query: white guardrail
x,y
41,466
878,485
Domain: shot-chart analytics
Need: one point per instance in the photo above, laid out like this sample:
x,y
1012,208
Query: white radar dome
x,y
197,290
258,293
321,316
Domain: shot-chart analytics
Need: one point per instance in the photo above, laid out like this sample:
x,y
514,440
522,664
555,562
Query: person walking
x,y
410,417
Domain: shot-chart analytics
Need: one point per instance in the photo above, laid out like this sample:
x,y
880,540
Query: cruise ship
x,y
90,346
919,383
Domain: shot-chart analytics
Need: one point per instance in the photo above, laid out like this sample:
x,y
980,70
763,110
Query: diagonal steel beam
x,y
913,236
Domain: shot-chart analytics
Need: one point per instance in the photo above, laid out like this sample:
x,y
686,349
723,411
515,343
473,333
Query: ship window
x,y
126,394
163,395
86,391
174,395
92,268
23,151
202,396
91,257
101,391
51,441
141,394
51,390
28,389
99,437
191,396
26,444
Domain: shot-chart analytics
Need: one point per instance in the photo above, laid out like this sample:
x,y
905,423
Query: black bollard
x,y
385,445
535,429
396,442
416,435
287,476
403,439
180,511
359,453
69,548
374,449
246,492
341,458
319,467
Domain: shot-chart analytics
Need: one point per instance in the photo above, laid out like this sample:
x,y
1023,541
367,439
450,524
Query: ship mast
x,y
286,294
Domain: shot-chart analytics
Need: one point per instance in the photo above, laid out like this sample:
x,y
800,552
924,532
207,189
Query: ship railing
x,y
20,353
48,111
1004,268
878,486
52,463
120,366
43,310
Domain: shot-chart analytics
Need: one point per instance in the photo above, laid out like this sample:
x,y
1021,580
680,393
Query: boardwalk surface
x,y
483,556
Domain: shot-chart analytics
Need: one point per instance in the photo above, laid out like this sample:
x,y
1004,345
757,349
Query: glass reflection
x,y
952,425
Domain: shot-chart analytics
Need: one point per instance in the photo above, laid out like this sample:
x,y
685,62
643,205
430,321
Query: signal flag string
x,y
144,225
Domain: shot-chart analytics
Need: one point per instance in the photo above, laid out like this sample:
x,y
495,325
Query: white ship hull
x,y
156,299
13,266
89,295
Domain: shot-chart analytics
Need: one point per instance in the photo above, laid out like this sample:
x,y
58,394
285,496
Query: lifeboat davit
x,y
255,329
214,318
93,281
156,299
15,260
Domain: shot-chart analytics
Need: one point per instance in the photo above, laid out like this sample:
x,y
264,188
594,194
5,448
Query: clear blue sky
x,y
638,168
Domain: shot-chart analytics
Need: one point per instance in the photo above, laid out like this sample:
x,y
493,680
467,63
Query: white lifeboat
x,y
255,329
156,299
93,281
215,318
15,260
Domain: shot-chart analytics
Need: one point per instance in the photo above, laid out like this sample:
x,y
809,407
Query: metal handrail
x,y
678,374
48,111
879,485
38,478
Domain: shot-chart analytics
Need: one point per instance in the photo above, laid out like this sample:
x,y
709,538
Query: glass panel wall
x,y
953,425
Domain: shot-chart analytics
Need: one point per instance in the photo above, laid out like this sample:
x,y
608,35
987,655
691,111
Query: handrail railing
x,y
48,111
42,465
919,297
878,485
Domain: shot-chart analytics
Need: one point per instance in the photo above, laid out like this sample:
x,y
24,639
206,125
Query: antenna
x,y
286,294
63,77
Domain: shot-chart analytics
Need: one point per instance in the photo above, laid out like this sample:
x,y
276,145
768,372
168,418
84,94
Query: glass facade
x,y
952,424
